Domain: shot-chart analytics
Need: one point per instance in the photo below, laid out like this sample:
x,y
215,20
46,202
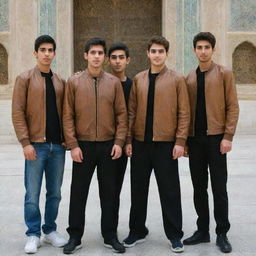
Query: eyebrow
x,y
44,48
117,55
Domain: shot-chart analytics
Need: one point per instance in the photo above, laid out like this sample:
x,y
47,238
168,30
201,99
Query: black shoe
x,y
197,238
72,246
115,245
223,243
177,245
134,239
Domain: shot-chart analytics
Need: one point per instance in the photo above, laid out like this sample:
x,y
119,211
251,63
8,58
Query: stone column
x,y
65,49
23,31
169,29
214,19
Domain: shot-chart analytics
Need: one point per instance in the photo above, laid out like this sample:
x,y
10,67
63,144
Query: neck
x,y
43,68
120,75
156,69
94,72
204,66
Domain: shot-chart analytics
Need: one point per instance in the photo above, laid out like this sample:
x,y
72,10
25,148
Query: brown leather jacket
x,y
29,105
222,107
94,110
171,107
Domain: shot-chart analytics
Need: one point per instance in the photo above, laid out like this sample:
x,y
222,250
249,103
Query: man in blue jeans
x,y
36,114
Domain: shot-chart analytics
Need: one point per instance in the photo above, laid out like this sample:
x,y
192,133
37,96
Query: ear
x,y
128,60
86,56
35,54
148,53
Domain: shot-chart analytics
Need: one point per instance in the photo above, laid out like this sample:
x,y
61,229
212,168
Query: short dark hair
x,y
159,40
95,41
204,36
119,46
44,39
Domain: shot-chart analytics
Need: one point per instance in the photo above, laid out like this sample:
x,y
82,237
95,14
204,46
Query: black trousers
x,y
157,156
204,152
121,167
95,154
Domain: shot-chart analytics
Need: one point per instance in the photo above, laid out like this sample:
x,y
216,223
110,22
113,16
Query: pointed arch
x,y
3,65
244,63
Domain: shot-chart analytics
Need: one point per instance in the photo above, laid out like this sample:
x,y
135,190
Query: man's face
x,y
157,55
204,51
45,54
118,61
95,56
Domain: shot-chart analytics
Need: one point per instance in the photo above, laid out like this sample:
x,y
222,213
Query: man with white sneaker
x,y
37,119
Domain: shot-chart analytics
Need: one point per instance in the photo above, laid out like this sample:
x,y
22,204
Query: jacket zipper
x,y
96,102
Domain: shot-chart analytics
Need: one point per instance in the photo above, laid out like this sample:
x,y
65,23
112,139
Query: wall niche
x,y
3,65
244,63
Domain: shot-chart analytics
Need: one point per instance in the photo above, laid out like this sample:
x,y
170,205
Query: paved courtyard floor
x,y
242,197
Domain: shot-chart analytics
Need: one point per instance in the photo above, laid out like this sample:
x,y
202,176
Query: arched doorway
x,y
3,65
130,21
244,63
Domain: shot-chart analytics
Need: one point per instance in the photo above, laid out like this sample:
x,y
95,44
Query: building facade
x,y
72,22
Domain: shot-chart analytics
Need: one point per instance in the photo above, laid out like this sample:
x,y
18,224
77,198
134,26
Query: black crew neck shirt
x,y
53,129
127,84
201,117
148,136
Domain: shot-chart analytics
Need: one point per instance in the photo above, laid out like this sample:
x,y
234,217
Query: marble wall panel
x,y
4,15
242,15
188,24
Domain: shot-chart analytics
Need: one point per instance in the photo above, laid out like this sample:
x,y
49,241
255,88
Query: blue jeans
x,y
51,160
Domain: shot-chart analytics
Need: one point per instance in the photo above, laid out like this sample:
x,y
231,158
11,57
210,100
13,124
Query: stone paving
x,y
242,196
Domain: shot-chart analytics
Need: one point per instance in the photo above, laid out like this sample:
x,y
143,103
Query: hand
x,y
116,152
186,154
177,152
128,150
77,155
225,146
29,152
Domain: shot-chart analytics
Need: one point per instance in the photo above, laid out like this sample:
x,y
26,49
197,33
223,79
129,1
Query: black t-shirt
x,y
201,118
53,129
150,108
127,88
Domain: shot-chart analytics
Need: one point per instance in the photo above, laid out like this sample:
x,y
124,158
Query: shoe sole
x,y
45,240
178,250
114,250
76,248
27,252
136,242
194,243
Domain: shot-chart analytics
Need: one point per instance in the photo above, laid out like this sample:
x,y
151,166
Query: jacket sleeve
x,y
19,102
231,105
120,116
183,113
132,111
68,117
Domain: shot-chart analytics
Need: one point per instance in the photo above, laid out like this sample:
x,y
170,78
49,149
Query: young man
x,y
119,58
158,127
95,126
214,115
36,114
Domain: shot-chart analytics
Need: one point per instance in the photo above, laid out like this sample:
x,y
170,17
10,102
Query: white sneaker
x,y
32,244
55,239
